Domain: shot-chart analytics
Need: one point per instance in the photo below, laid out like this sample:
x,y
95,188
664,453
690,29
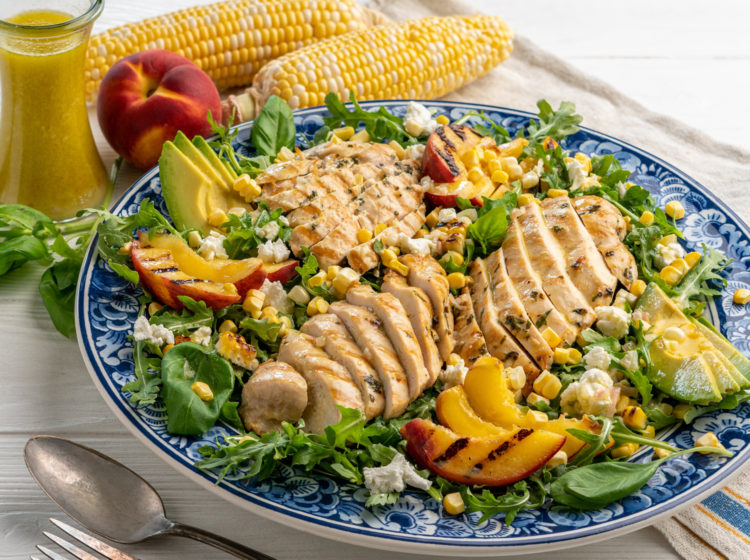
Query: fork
x,y
94,544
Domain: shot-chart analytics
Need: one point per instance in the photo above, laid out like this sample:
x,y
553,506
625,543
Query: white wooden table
x,y
689,59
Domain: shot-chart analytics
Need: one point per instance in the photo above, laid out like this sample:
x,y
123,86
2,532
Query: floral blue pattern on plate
x,y
107,306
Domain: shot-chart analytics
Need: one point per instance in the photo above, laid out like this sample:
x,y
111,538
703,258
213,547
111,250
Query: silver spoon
x,y
108,498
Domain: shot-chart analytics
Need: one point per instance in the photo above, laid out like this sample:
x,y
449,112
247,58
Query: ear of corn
x,y
229,40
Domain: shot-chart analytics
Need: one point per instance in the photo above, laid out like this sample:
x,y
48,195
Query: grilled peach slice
x,y
442,154
281,272
454,412
489,461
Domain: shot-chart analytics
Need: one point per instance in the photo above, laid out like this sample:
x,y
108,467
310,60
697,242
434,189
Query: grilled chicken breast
x,y
328,330
426,274
608,228
586,267
549,262
529,287
367,330
470,343
275,393
328,382
397,326
419,310
500,343
511,312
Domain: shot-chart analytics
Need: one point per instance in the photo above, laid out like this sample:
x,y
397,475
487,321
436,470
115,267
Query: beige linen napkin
x,y
703,531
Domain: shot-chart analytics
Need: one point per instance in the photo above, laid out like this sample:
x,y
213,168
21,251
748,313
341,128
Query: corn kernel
x,y
692,258
317,280
475,174
299,295
525,198
708,439
456,280
457,258
395,250
343,280
153,307
286,325
217,218
345,132
559,458
442,119
364,235
529,180
680,265
634,417
228,325
167,348
562,355
246,187
413,128
535,399
253,302
675,210
332,271
453,503
668,239
388,256
203,391
547,385
271,313
649,431
624,450
623,402
493,164
670,275
399,267
499,176
317,305
660,452
516,377
400,153
574,357
741,296
585,161
518,396
471,158
637,288
361,136
379,229
432,218
647,218
555,193
552,338
680,410
453,359
194,239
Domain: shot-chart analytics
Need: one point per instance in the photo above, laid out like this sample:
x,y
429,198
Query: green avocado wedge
x,y
181,181
219,166
734,356
199,160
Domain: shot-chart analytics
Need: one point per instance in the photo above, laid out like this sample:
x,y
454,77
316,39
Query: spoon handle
x,y
216,541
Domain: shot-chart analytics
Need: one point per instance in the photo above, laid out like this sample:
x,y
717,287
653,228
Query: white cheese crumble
x,y
592,394
212,246
418,120
576,173
393,477
269,231
143,331
415,151
273,251
284,220
623,296
446,215
202,336
597,358
454,374
539,167
666,254
421,246
612,321
276,296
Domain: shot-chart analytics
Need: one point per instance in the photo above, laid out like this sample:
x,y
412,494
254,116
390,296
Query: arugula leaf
x,y
145,388
729,402
274,128
594,338
509,503
382,499
487,127
193,315
262,328
696,282
381,125
555,124
309,269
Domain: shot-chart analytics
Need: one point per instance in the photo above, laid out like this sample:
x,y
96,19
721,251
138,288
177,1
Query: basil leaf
x,y
57,288
17,251
274,128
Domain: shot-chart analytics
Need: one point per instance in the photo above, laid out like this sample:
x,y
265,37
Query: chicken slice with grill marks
x,y
275,393
419,310
529,288
363,257
427,274
511,312
470,343
500,343
549,262
366,329
608,228
586,267
338,343
397,326
328,383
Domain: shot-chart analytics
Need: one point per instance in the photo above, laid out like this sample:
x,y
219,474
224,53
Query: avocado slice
x,y
724,379
198,159
734,356
221,166
687,378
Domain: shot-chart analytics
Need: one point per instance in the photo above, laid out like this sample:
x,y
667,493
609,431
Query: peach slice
x,y
454,412
281,272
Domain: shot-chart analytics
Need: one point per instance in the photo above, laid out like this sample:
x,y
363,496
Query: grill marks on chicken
x,y
470,343
275,393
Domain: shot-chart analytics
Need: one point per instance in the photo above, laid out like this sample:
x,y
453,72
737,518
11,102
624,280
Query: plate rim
x,y
407,542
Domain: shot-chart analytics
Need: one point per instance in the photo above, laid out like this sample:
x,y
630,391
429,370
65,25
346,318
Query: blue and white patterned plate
x,y
107,306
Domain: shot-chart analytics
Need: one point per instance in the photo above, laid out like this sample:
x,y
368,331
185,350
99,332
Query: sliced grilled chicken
x,y
397,326
363,257
366,329
500,343
586,267
549,262
328,383
608,228
426,274
470,343
328,330
511,312
419,310
529,287
275,393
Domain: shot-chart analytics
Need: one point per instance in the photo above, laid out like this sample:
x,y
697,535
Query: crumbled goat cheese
x,y
269,231
276,296
597,358
623,296
202,336
415,151
453,375
418,120
576,173
273,251
446,215
612,321
630,360
622,189
426,183
592,394
188,371
666,254
539,167
284,221
393,477
143,331
212,246
421,246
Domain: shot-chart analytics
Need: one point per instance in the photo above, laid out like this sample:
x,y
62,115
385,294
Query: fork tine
x,y
94,544
74,550
50,553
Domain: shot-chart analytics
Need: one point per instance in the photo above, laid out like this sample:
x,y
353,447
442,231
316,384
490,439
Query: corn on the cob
x,y
229,40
